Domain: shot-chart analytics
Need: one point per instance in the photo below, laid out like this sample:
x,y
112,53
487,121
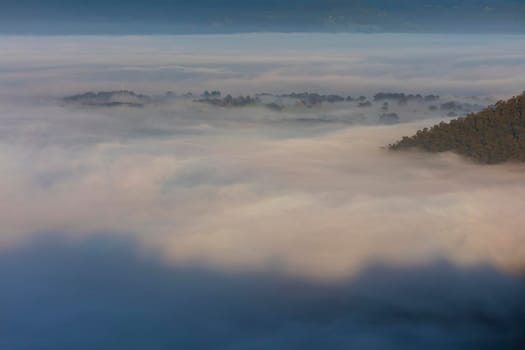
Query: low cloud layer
x,y
332,63
257,199
244,189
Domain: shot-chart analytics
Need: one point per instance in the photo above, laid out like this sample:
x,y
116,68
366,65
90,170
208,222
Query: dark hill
x,y
212,16
494,135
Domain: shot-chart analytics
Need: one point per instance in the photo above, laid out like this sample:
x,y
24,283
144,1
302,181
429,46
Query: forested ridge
x,y
493,135
227,16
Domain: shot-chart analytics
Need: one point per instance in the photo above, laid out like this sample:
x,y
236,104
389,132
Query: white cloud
x,y
248,188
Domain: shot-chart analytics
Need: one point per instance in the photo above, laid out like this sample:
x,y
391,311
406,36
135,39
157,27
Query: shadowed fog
x,y
102,292
249,227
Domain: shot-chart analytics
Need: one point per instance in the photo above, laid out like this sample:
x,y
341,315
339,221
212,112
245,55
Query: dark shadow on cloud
x,y
103,292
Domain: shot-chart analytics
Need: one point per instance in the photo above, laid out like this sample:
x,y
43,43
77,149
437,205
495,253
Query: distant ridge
x,y
228,16
493,135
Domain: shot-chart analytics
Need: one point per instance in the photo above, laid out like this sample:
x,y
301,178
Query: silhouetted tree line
x,y
229,100
403,97
493,135
312,99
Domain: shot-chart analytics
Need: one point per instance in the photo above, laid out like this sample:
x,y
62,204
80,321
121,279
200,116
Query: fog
x,y
260,197
250,63
102,292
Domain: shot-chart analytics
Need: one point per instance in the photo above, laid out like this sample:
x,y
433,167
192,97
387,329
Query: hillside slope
x,y
494,135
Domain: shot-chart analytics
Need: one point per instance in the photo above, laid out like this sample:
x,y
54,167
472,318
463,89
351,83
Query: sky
x,y
184,224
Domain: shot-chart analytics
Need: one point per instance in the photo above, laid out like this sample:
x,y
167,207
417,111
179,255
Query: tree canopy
x,y
493,135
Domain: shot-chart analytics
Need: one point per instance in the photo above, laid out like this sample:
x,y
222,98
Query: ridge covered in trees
x,y
234,16
493,135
